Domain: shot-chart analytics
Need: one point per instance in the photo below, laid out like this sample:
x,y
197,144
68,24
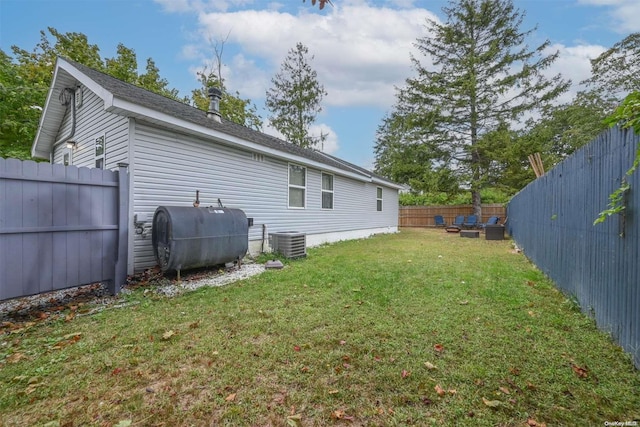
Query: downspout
x,y
72,132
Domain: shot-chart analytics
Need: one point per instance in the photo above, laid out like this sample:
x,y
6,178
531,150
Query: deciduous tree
x,y
25,80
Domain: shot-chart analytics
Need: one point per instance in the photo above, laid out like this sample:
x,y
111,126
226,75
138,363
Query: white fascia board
x,y
41,138
43,143
118,104
386,183
372,179
84,80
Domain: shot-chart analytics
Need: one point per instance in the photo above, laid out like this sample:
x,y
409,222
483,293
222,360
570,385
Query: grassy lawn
x,y
416,328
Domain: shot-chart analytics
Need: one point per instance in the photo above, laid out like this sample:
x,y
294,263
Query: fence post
x,y
120,269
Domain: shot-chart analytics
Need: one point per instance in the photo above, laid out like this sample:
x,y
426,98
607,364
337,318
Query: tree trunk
x,y
477,204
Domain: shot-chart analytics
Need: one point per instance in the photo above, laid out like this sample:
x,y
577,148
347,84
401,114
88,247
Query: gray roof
x,y
180,110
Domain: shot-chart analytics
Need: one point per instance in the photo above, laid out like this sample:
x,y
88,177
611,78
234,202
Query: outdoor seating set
x,y
467,223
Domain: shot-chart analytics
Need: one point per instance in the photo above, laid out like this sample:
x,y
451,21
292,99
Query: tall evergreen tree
x,y
295,98
478,73
616,72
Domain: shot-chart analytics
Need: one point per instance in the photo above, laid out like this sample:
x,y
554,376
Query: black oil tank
x,y
188,237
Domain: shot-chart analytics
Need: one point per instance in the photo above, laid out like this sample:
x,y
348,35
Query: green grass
x,y
328,339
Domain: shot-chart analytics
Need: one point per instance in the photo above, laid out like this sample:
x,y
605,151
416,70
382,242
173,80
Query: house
x,y
173,150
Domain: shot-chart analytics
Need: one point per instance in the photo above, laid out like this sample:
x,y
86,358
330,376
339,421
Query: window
x,y
67,157
379,199
327,191
100,151
297,186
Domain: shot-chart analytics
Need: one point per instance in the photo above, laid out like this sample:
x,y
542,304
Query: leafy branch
x,y
627,115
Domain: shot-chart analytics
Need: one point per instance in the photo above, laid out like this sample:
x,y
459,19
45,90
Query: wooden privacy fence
x,y
422,216
60,227
552,218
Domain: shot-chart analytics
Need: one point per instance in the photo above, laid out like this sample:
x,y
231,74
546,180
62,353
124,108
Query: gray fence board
x,y
61,226
552,221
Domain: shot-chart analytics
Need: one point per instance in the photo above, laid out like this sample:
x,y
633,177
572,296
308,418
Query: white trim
x,y
47,103
322,191
67,151
102,156
312,240
299,187
132,167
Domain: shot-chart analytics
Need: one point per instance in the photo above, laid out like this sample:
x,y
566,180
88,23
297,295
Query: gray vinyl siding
x,y
91,122
169,167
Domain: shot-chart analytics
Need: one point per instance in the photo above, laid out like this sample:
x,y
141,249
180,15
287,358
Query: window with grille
x,y
297,186
327,191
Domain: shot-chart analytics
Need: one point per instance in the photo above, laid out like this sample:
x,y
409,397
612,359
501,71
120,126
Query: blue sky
x,y
361,48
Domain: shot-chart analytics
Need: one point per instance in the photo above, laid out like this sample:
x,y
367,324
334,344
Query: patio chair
x,y
439,220
471,222
493,220
457,225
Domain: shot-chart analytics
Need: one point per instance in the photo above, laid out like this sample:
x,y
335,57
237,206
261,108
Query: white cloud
x,y
573,63
330,145
624,13
360,52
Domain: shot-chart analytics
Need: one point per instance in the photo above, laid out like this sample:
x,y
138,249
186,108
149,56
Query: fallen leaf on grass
x,y
16,357
580,371
231,397
438,347
405,373
334,391
296,348
491,403
530,386
32,387
339,414
533,423
123,423
430,366
167,335
504,390
439,390
68,340
294,420
116,371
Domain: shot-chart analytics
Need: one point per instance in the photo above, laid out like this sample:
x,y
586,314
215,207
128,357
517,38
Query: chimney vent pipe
x,y
215,95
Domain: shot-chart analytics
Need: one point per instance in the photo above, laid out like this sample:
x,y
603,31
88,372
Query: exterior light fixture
x,y
72,144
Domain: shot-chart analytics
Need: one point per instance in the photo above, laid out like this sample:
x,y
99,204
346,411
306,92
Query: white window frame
x,y
102,156
379,204
67,152
323,190
298,187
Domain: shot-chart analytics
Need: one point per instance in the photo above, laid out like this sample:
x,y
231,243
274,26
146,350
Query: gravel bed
x,y
229,276
97,295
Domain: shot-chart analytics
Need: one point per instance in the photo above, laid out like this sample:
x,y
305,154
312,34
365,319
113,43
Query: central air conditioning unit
x,y
291,244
